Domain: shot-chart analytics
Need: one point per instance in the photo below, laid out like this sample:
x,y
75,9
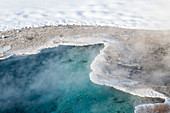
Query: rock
x,y
55,42
18,31
2,55
161,108
3,36
153,108
29,38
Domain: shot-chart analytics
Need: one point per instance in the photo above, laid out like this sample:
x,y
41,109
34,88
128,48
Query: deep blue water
x,y
57,80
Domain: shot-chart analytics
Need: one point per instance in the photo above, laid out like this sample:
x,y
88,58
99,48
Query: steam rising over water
x,y
57,80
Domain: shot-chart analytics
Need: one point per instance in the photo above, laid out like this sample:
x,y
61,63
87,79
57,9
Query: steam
x,y
144,59
37,79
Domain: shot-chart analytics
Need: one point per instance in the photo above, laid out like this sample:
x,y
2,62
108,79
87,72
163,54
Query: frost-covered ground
x,y
141,14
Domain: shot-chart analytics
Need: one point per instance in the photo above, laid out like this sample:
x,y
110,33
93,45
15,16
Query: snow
x,y
138,14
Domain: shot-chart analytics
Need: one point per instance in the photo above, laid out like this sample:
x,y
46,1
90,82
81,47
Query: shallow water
x,y
57,80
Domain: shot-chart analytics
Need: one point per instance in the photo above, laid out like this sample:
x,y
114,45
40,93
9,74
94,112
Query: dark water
x,y
57,80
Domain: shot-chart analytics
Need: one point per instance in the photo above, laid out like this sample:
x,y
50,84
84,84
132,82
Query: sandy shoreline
x,y
134,61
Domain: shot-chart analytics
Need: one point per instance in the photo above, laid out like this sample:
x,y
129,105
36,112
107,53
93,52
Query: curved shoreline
x,y
142,92
32,41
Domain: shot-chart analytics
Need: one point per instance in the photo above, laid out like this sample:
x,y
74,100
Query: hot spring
x,y
57,80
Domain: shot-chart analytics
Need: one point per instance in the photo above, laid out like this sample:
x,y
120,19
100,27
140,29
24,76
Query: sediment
x,y
134,61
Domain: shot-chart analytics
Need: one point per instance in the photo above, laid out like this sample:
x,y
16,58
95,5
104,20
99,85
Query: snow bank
x,y
145,14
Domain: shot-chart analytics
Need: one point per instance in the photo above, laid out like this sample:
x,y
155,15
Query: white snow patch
x,y
141,14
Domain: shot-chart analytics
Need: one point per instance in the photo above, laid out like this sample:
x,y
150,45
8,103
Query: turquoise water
x,y
57,80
